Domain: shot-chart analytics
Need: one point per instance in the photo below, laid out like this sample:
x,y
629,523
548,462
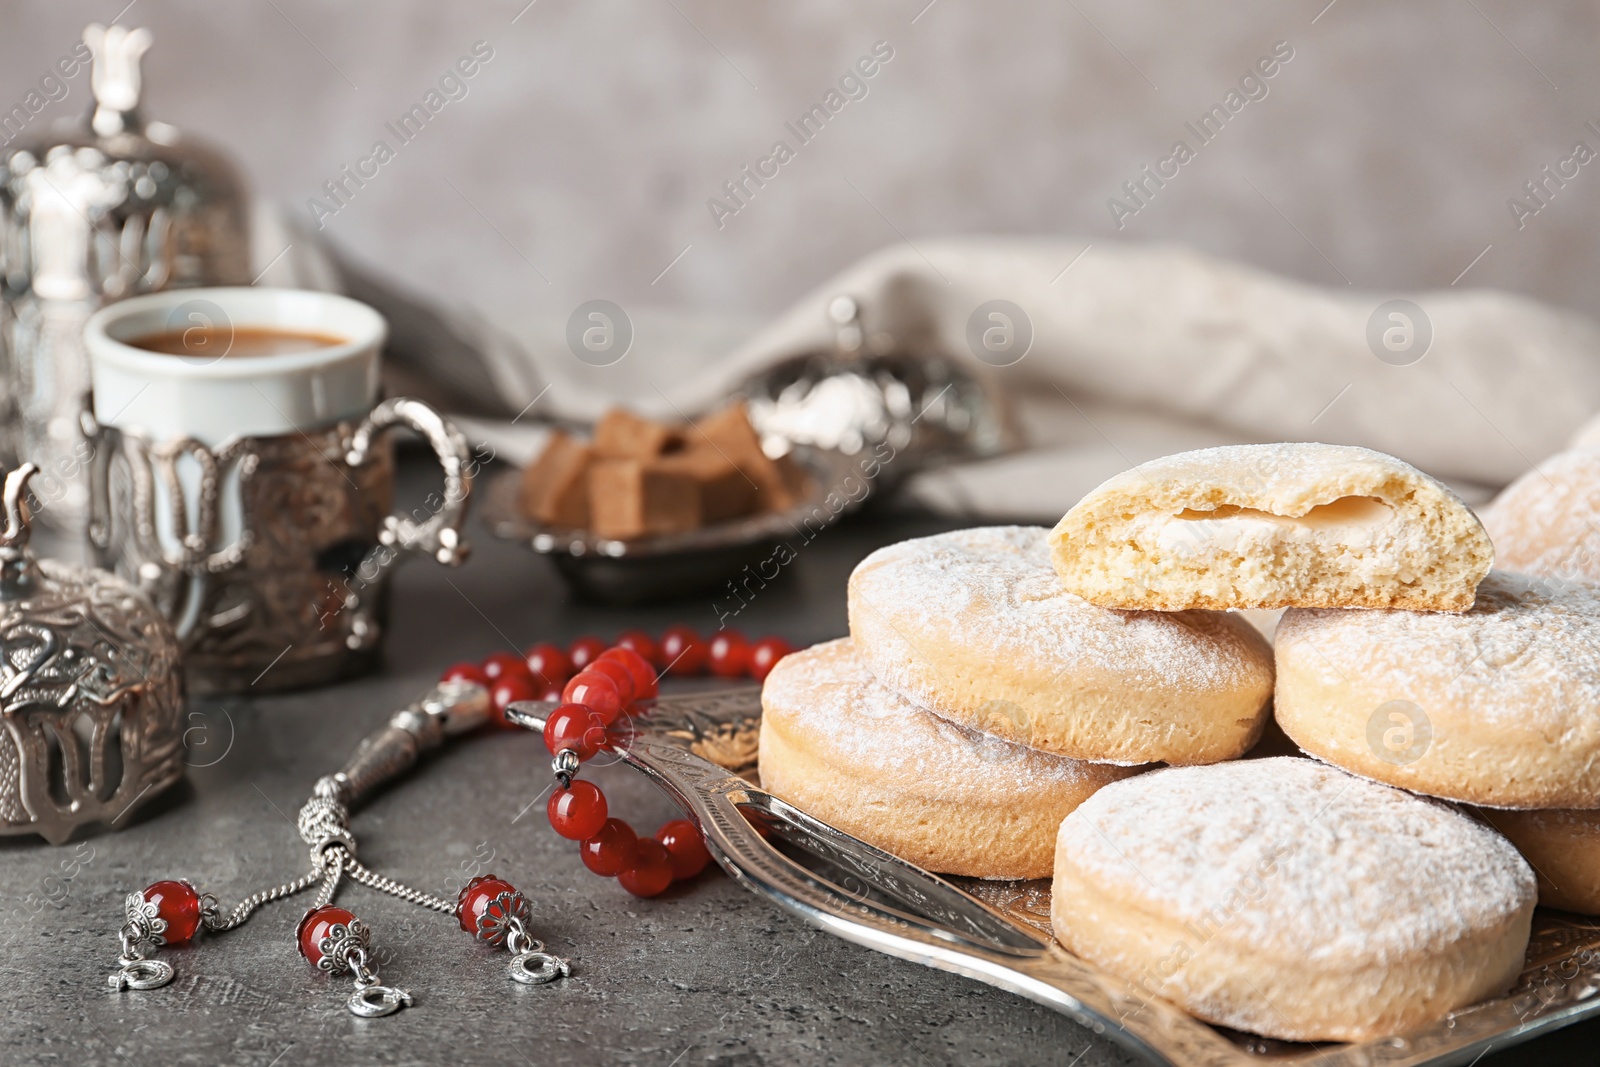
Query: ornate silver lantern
x,y
91,691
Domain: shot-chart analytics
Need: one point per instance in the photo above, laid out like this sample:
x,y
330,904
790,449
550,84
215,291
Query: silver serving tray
x,y
701,749
658,568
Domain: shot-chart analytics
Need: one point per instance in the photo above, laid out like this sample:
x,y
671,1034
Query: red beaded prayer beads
x,y
577,811
597,687
683,651
316,928
549,664
729,654
584,651
649,870
609,850
684,848
178,905
491,908
765,654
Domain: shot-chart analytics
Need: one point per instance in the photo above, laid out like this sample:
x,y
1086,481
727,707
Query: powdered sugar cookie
x,y
1498,706
1287,898
1547,522
1563,848
974,626
840,746
1271,526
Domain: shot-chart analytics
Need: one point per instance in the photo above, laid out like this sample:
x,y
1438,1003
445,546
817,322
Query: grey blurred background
x,y
581,159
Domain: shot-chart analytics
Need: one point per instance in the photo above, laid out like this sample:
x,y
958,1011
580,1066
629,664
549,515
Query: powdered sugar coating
x,y
1526,654
992,590
1495,706
1547,522
827,695
1305,861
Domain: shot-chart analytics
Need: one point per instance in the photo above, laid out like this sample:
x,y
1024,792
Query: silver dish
x,y
661,568
701,749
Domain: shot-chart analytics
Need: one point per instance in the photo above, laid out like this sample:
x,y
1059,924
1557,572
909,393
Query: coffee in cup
x,y
242,342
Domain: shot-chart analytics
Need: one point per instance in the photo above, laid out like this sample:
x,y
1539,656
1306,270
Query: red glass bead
x,y
729,654
551,694
610,850
619,675
465,672
476,896
649,871
548,663
638,668
641,644
499,665
685,849
584,651
315,926
574,726
179,905
597,690
765,654
683,651
578,811
508,689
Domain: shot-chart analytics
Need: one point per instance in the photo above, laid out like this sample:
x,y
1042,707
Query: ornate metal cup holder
x,y
701,749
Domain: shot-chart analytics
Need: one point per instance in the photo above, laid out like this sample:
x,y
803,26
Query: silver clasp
x,y
376,1001
538,968
134,972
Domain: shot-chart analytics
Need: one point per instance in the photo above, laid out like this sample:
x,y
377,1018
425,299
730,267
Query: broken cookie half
x,y
1271,526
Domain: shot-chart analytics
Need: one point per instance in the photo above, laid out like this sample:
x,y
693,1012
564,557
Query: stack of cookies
x,y
998,681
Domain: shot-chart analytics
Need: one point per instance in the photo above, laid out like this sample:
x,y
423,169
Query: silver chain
x,y
374,880
335,859
324,825
211,913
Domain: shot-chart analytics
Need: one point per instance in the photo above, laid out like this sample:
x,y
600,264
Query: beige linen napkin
x,y
1136,351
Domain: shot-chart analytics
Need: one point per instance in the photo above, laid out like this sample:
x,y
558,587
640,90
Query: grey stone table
x,y
706,974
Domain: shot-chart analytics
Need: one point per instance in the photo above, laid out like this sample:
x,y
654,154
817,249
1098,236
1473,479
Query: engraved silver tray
x,y
657,568
701,749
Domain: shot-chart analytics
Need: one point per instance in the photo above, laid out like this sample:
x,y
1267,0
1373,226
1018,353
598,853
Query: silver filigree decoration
x,y
501,915
145,924
341,944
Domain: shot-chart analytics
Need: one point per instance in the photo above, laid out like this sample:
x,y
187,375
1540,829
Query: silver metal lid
x,y
90,690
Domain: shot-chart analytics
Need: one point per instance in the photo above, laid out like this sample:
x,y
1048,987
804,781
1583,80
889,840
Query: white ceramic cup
x,y
211,397
251,496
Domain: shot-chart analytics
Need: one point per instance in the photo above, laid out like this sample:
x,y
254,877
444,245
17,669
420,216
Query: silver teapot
x,y
108,207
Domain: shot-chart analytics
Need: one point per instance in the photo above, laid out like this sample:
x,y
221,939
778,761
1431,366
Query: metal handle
x,y
440,535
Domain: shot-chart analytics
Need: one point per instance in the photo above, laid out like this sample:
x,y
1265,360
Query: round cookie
x,y
1547,522
1273,526
1563,848
840,746
1495,706
975,626
1287,898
